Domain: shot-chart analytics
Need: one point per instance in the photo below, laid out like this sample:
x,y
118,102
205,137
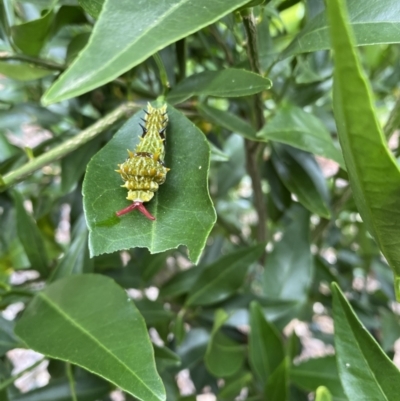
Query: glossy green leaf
x,y
23,71
233,386
182,206
373,22
181,283
31,238
293,126
230,82
227,120
76,259
323,394
313,373
373,171
31,36
92,7
90,322
165,358
289,269
224,357
365,370
224,277
156,25
277,387
266,351
302,176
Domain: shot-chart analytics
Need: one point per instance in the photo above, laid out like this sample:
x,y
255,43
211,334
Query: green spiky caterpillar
x,y
144,171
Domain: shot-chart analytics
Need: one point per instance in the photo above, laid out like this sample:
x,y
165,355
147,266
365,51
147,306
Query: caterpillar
x,y
144,170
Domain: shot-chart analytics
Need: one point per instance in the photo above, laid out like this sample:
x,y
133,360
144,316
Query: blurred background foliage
x,y
199,316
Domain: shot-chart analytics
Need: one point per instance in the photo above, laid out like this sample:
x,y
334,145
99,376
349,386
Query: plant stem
x,y
393,121
180,47
71,381
12,379
163,72
67,147
253,149
50,65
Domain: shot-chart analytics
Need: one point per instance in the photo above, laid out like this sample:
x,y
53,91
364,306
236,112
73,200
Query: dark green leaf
x,y
302,176
233,386
165,358
223,278
373,171
227,120
311,374
295,127
182,205
156,25
90,322
224,357
373,22
266,351
230,82
289,268
31,36
364,369
8,340
277,387
31,238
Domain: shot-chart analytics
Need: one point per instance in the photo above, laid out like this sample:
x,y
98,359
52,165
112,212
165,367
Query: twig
x,y
50,65
71,382
67,147
393,121
163,73
253,149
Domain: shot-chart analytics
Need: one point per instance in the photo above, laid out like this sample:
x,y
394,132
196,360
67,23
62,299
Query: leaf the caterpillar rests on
x,y
144,171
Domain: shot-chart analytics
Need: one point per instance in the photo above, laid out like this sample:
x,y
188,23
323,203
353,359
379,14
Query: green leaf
x,y
182,205
277,387
224,357
76,259
230,82
266,351
373,171
90,322
223,278
323,394
311,374
365,370
234,385
373,22
92,7
165,358
289,269
8,339
157,24
302,176
31,36
23,71
293,126
31,238
227,120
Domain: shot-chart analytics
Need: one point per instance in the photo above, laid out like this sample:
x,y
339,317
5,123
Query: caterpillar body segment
x,y
144,170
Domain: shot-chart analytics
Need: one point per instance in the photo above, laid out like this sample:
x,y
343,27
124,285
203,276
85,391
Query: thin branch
x,y
50,65
71,381
253,149
393,121
68,146
163,72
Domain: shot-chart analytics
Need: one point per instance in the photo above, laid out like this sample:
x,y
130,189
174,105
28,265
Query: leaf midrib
x,y
94,339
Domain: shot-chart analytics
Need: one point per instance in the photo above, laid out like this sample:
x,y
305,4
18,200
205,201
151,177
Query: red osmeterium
x,y
136,205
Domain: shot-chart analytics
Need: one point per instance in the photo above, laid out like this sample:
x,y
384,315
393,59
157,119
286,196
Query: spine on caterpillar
x,y
144,170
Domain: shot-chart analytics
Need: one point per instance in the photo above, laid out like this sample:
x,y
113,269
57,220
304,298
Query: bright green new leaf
x,y
373,22
31,237
266,351
223,278
302,176
373,171
323,394
224,357
365,370
182,206
227,120
31,36
230,82
143,28
23,71
293,126
313,373
89,321
289,269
